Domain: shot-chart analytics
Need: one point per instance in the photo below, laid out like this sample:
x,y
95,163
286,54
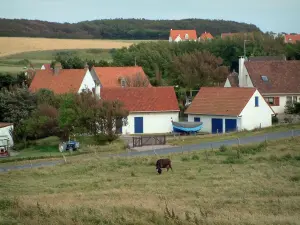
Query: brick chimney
x,y
57,68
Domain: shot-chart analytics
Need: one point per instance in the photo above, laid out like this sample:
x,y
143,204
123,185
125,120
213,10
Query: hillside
x,y
139,29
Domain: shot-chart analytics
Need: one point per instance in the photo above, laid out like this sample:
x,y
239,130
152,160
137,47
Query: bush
x,y
223,148
195,157
275,120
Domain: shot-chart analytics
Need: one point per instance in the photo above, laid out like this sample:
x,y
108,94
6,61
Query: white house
x,y
62,81
6,137
182,35
151,109
223,109
276,79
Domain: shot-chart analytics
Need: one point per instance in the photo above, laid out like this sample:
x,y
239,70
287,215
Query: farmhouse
x,y
291,38
62,81
151,109
6,137
277,80
111,77
206,36
182,35
229,109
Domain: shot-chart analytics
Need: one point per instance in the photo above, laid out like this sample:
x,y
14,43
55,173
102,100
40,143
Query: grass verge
x,y
253,184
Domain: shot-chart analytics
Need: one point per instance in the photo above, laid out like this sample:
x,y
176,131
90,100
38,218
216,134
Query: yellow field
x,y
14,45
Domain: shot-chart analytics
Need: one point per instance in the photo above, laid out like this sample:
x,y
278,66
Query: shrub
x,y
195,157
223,148
275,120
185,158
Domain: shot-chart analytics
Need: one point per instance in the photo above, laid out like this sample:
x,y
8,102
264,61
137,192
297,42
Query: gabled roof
x,y
66,81
206,35
267,58
220,101
2,124
292,38
143,99
110,76
191,33
283,76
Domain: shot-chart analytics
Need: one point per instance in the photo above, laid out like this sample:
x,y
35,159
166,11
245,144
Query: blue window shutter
x,y
256,101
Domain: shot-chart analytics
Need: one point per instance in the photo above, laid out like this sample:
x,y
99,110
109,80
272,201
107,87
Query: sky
x,y
268,15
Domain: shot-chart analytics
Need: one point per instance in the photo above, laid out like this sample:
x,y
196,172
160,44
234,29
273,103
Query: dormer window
x,y
186,36
264,78
123,82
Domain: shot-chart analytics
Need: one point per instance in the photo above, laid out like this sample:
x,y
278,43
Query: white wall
x,y
154,122
255,117
282,102
177,39
87,82
4,131
244,78
206,120
227,83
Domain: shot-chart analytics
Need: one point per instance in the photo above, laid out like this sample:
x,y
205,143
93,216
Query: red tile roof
x,y
206,35
5,124
109,76
283,76
291,38
191,33
143,99
66,81
220,101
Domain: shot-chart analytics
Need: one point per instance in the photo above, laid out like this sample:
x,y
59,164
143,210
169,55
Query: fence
x,y
148,140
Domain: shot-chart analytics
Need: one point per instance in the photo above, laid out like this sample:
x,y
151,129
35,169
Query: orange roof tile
x,y
206,35
192,34
292,38
109,76
220,101
143,99
66,81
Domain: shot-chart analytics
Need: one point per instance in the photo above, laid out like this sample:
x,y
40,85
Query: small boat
x,y
186,127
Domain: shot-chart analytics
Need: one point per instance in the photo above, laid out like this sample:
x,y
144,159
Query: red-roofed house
x,y
229,109
182,35
206,36
277,80
151,109
111,77
62,81
291,38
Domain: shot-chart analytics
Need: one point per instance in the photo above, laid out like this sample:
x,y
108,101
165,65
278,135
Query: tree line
x,y
132,29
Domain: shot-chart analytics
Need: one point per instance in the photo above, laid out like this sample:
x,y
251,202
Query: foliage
x,y
292,108
8,80
137,80
275,120
140,29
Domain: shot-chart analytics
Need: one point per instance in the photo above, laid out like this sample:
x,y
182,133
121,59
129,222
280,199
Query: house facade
x,y
291,38
277,80
182,35
151,109
6,137
206,36
223,110
62,81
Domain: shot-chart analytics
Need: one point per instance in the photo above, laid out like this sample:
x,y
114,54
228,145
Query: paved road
x,y
200,146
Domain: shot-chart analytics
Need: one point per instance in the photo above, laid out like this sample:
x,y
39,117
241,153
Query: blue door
x,y
196,119
216,125
138,125
230,125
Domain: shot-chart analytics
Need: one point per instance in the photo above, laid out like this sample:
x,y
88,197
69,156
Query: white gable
x,y
87,82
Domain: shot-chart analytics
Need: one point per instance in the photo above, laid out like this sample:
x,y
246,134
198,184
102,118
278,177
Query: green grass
x,y
253,184
15,63
187,140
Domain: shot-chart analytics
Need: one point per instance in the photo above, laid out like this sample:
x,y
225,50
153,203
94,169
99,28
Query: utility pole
x,y
245,47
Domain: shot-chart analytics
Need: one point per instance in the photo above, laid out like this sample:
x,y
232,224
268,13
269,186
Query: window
x,y
256,101
264,78
270,100
186,36
294,99
196,119
289,100
123,83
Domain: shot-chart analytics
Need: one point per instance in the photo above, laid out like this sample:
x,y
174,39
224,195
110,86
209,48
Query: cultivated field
x,y
256,184
14,45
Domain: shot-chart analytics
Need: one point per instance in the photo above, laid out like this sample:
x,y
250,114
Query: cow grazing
x,y
163,163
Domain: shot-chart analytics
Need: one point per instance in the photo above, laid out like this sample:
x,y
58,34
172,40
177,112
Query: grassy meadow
x,y
254,184
13,50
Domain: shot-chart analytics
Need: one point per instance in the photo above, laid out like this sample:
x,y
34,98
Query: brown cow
x,y
163,163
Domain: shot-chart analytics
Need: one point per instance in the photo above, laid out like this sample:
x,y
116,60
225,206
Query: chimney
x,y
57,68
86,66
241,71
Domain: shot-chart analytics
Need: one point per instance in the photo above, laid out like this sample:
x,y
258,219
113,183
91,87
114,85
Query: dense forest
x,y
136,29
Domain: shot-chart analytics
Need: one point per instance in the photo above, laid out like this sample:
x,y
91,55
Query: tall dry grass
x,y
256,184
14,45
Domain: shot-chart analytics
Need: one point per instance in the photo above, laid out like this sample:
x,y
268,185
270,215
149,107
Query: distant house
x,y
206,36
46,67
291,38
6,137
229,109
151,109
277,80
62,81
182,35
111,77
